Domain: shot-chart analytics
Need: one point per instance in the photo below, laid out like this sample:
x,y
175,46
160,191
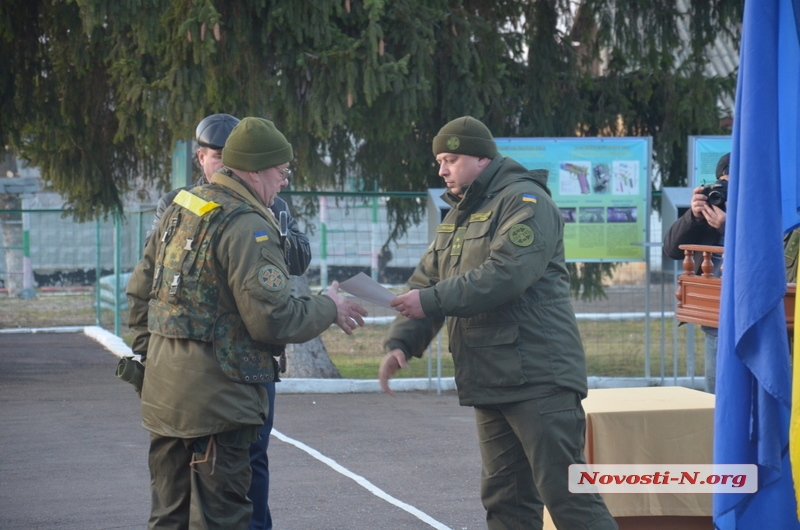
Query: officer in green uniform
x,y
496,274
211,307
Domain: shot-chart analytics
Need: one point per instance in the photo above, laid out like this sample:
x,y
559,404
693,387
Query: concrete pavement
x,y
75,453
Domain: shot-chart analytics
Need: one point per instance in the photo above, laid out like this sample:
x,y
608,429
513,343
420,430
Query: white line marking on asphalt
x,y
366,484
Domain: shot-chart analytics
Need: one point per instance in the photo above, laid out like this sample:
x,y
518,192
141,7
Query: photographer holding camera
x,y
704,224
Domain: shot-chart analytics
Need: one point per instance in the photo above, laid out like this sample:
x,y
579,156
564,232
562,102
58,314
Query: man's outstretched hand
x,y
408,304
391,363
349,315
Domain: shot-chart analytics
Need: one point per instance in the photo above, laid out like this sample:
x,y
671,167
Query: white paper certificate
x,y
368,289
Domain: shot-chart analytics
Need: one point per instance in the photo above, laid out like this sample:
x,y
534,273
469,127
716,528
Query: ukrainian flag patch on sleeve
x,y
527,197
260,236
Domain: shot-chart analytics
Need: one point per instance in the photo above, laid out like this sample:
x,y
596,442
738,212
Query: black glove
x,y
131,371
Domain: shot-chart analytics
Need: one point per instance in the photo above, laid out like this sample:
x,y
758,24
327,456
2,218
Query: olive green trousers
x,y
526,450
201,483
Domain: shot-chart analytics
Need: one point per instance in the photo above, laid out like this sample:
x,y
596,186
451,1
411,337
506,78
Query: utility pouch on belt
x,y
131,371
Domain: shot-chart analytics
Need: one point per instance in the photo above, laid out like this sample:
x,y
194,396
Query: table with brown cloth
x,y
651,425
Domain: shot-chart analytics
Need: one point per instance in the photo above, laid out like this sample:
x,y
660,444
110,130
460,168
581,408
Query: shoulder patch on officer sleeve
x,y
521,235
271,278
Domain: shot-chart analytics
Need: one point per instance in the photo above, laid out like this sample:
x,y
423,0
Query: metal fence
x,y
633,328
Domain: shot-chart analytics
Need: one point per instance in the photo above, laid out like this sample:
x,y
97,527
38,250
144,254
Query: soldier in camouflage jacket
x,y
211,305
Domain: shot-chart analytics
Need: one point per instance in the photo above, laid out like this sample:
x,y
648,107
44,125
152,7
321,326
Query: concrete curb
x,y
696,383
298,385
110,341
353,386
64,329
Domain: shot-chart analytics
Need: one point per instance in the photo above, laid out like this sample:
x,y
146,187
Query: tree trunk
x,y
309,359
12,237
11,228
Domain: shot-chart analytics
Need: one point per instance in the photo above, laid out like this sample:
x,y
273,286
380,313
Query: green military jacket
x,y
496,273
191,389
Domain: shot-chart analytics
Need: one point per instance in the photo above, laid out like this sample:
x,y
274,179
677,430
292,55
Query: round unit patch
x,y
453,142
271,278
521,235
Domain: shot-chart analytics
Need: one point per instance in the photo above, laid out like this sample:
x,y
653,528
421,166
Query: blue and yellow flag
x,y
261,235
754,387
527,197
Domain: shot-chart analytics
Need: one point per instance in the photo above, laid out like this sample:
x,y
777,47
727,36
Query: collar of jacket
x,y
501,172
228,179
476,191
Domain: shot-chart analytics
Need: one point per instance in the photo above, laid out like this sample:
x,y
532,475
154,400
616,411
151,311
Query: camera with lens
x,y
717,193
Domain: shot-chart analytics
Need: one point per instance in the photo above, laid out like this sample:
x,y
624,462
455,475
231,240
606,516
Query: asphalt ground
x,y
74,453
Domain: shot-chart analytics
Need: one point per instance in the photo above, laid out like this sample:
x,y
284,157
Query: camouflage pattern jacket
x,y
210,305
298,255
496,272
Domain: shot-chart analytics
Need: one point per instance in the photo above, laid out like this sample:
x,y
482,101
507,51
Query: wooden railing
x,y
699,294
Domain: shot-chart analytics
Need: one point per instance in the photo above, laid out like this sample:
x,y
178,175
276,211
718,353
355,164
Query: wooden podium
x,y
699,295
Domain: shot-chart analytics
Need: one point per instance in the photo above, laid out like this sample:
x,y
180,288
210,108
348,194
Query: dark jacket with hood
x,y
496,274
690,231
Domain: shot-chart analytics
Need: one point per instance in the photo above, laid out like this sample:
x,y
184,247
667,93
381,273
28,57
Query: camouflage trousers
x,y
201,483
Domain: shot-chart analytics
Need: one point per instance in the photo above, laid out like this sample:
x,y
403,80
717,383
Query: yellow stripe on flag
x,y
794,423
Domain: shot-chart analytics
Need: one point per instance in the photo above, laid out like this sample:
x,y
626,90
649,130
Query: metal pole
x,y
439,363
117,265
690,360
27,269
430,367
646,247
189,157
674,320
97,273
374,240
140,233
661,343
647,315
323,241
664,332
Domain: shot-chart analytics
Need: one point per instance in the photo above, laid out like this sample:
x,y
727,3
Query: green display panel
x,y
601,185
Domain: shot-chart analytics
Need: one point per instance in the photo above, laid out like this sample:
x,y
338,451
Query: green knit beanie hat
x,y
255,144
465,136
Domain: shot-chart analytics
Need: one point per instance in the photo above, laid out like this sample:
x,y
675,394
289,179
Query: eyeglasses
x,y
285,172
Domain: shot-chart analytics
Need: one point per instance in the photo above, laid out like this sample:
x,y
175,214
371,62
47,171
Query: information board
x,y
704,153
602,187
